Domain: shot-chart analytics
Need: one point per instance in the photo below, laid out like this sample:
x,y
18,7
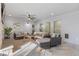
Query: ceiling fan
x,y
31,17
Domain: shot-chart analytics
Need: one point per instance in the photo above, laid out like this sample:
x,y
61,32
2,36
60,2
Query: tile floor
x,y
65,49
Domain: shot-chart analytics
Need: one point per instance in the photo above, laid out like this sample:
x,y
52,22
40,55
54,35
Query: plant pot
x,y
6,37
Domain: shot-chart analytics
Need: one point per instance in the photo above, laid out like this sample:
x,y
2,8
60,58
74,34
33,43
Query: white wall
x,y
9,21
70,25
0,28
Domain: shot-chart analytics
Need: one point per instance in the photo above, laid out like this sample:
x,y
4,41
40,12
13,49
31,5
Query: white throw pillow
x,y
53,35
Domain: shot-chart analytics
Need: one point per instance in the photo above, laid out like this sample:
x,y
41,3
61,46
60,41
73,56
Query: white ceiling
x,y
41,10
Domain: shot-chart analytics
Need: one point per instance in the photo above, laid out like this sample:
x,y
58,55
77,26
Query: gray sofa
x,y
50,42
55,41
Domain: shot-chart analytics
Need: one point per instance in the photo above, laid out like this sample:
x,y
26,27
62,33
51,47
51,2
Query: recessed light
x,y
52,14
9,15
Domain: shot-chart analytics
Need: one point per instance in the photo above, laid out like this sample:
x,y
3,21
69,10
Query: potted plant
x,y
7,32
